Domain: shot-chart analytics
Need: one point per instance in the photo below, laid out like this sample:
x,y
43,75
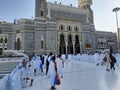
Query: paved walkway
x,y
80,75
7,67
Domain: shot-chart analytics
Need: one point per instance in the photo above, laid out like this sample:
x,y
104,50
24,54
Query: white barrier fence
x,y
11,81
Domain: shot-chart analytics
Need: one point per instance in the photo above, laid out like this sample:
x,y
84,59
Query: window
x,y
5,40
41,44
61,27
101,43
41,13
18,44
88,46
1,40
76,28
69,28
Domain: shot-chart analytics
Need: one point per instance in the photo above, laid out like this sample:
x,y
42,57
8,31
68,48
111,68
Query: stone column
x,y
80,46
73,47
66,43
58,47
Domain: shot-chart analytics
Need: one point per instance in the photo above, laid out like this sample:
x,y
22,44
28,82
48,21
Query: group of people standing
x,y
52,65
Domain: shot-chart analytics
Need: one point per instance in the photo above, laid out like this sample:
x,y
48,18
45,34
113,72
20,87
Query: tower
x,y
41,10
86,5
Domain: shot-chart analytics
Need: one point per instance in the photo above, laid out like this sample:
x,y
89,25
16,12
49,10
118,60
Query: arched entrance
x,y
70,45
77,45
62,49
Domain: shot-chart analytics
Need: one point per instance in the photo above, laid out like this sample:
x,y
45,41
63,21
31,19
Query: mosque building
x,y
56,28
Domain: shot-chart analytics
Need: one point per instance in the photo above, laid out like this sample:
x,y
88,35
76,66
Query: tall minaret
x,y
41,10
86,5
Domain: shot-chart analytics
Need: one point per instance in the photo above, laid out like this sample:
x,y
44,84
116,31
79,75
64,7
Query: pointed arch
x,y
70,45
62,49
77,45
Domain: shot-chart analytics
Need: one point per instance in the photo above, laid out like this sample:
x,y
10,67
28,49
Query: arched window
x,y
69,28
61,27
1,40
5,40
76,29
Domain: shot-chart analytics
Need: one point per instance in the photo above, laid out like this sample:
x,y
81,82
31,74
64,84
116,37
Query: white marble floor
x,y
80,75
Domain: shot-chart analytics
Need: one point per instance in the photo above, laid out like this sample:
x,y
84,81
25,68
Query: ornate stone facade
x,y
56,28
105,40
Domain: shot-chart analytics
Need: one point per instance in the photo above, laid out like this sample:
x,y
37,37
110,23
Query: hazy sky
x,y
104,18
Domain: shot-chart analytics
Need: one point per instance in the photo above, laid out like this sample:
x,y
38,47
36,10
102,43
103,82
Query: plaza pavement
x,y
79,75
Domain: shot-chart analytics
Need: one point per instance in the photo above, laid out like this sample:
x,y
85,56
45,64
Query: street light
x,y
116,10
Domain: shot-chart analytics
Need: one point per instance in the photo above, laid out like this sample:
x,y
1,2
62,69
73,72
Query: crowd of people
x,y
51,65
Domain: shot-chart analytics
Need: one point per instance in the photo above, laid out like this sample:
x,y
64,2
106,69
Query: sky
x,y
104,18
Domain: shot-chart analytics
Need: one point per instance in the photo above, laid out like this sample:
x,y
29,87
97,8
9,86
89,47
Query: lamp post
x,y
116,11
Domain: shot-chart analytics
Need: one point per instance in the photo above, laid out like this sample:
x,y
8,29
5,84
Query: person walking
x,y
23,68
60,65
38,62
52,71
107,61
112,63
30,70
47,62
96,58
